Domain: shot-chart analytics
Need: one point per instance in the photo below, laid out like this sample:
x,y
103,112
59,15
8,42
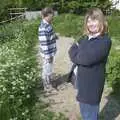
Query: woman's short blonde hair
x,y
96,13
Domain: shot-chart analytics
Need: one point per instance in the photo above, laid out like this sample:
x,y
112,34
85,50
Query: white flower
x,y
13,83
23,113
13,88
28,96
26,111
20,100
4,89
1,102
22,87
12,96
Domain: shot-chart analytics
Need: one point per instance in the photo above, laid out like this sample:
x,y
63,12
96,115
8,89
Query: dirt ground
x,y
64,98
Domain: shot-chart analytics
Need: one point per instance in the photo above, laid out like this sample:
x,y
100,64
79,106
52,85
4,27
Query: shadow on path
x,y
59,80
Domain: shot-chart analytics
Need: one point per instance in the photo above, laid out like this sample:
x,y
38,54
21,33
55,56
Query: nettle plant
x,y
18,73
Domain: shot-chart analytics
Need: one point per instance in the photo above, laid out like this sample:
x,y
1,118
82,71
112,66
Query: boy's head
x,y
47,14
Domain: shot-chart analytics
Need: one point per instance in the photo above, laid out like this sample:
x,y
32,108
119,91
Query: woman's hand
x,y
77,43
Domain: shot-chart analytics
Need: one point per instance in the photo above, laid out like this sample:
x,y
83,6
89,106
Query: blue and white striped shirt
x,y
47,38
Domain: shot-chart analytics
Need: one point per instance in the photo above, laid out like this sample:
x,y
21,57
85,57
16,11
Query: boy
x,y
47,38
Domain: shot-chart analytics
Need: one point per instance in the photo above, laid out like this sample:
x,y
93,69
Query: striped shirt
x,y
47,38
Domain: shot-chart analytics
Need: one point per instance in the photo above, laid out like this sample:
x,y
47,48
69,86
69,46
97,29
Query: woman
x,y
90,55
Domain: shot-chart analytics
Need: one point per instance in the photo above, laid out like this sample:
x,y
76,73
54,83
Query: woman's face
x,y
93,26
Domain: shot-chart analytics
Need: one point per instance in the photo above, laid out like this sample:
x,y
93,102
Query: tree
x,y
62,6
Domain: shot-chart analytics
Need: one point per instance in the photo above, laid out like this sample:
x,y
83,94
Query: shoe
x,y
48,88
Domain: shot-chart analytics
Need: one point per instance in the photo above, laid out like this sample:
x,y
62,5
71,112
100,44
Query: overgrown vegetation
x,y
113,67
62,6
18,73
69,25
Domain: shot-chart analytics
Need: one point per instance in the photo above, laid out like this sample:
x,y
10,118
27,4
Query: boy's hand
x,y
50,60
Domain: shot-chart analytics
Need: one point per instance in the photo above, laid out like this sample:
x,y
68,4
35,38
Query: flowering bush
x,y
18,73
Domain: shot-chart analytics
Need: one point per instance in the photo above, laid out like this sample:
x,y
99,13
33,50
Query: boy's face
x,y
49,18
93,25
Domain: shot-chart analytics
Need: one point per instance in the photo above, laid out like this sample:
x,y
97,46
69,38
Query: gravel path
x,y
63,100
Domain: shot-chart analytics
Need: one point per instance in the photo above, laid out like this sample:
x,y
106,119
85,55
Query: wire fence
x,y
15,13
11,19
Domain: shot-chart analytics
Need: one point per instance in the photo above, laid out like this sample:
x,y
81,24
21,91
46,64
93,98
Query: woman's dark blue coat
x,y
91,57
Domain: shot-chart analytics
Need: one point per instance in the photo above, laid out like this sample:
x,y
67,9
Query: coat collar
x,y
99,37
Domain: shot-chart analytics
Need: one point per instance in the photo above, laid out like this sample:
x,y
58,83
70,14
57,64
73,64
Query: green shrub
x,y
115,12
114,26
69,25
18,73
113,70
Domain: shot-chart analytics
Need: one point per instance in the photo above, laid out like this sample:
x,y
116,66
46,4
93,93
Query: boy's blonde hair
x,y
46,11
96,13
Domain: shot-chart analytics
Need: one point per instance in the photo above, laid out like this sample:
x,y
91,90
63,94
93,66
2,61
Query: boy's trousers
x,y
47,72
